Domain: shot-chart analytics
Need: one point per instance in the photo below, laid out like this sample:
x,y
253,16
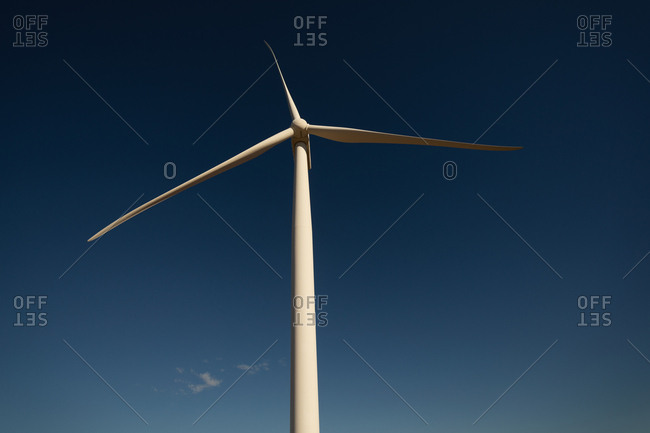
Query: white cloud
x,y
180,370
256,368
208,382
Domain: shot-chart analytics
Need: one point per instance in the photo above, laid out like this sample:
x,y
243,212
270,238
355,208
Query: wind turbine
x,y
304,371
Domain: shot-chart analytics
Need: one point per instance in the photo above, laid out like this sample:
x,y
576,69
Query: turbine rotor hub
x,y
300,135
299,126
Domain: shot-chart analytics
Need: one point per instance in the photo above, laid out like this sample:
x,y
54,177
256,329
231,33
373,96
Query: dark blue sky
x,y
458,298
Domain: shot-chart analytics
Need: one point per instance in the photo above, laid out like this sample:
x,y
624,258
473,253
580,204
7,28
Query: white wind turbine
x,y
304,372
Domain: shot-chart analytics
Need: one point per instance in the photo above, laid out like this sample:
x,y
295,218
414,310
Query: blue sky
x,y
475,279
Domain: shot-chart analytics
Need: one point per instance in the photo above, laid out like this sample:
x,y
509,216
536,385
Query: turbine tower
x,y
304,371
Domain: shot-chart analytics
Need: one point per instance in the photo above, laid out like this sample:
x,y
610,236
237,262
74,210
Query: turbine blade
x,y
292,107
248,154
351,135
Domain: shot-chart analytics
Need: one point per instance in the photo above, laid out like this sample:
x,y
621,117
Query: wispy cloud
x,y
208,382
256,368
